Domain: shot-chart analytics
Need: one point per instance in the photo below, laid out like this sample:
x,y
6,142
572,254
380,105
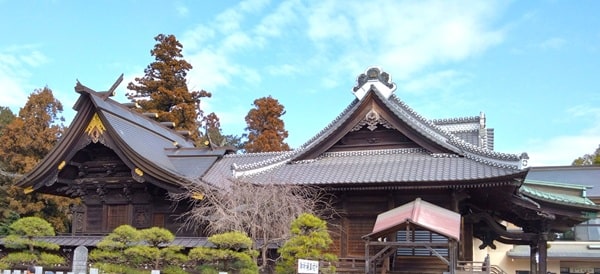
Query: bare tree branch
x,y
263,211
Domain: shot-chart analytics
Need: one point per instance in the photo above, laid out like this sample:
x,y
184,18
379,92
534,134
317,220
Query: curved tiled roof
x,y
457,144
404,167
428,129
142,143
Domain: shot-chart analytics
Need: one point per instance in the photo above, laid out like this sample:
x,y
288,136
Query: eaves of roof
x,y
558,198
152,147
47,169
143,144
421,213
405,168
93,240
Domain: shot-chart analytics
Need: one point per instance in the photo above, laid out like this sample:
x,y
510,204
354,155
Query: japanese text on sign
x,y
308,266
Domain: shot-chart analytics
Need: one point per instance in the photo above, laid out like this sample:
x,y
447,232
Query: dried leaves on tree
x,y
266,130
24,143
264,212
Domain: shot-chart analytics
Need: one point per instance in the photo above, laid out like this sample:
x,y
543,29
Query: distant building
x,y
578,249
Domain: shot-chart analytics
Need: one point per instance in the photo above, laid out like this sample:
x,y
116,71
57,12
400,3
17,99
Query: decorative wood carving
x,y
95,129
371,121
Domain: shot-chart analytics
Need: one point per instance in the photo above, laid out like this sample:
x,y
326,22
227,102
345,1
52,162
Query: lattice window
x,y
117,215
420,236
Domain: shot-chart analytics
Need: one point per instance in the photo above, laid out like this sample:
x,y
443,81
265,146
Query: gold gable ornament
x,y
95,128
198,196
28,190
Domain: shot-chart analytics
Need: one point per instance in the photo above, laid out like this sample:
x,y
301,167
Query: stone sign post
x,y
80,260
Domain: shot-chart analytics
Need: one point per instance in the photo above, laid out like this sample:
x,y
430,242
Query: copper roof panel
x,y
421,213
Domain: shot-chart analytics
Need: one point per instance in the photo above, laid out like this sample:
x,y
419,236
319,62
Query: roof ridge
x,y
445,121
320,134
264,163
252,154
457,144
286,157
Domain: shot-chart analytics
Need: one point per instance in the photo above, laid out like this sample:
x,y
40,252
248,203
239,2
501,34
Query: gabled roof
x,y
420,213
436,154
155,154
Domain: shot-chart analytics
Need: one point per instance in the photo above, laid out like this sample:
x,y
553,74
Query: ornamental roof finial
x,y
377,78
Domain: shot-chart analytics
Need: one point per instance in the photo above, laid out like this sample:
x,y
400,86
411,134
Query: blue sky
x,y
533,67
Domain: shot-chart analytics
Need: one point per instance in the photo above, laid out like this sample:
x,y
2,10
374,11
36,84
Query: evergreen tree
x,y
163,89
588,159
6,117
266,129
24,237
26,140
232,252
6,178
128,250
310,240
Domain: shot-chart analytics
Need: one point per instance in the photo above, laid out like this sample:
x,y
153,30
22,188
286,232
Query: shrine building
x,y
415,195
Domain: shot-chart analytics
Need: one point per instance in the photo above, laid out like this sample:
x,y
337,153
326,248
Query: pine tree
x,y
163,89
31,250
310,240
266,129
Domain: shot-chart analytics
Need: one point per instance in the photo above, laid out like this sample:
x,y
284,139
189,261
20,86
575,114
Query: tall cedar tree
x,y
6,178
588,159
24,142
6,117
163,89
266,129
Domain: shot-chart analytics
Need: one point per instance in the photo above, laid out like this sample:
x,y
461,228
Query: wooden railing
x,y
350,265
353,265
465,267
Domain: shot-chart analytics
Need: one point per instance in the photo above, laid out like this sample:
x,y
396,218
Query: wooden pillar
x,y
543,253
453,250
533,265
367,257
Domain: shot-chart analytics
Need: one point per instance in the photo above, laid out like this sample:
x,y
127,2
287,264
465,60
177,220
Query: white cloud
x,y
274,24
584,111
211,70
236,41
34,58
181,9
16,64
327,22
406,36
439,80
552,43
337,40
563,149
285,69
252,6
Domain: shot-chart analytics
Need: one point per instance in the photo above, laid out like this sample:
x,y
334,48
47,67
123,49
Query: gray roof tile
x,y
405,167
